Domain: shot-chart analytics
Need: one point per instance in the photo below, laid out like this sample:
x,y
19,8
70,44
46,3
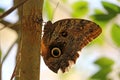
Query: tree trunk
x,y
31,28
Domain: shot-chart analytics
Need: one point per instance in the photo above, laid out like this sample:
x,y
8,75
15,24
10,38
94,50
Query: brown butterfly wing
x,y
69,36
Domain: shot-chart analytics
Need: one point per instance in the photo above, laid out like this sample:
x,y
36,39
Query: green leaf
x,y
1,10
100,22
103,17
48,9
98,11
96,19
104,62
80,8
111,8
115,33
102,74
105,68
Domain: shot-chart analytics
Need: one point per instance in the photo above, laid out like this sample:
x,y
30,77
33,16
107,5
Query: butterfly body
x,y
63,39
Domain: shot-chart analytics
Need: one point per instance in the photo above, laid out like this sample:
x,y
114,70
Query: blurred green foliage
x,y
80,9
111,8
1,10
48,9
104,62
101,17
104,17
115,33
105,65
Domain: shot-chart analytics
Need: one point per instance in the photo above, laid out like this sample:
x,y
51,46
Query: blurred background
x,y
98,61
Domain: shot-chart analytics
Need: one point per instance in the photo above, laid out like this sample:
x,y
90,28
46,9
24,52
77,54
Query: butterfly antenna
x,y
55,10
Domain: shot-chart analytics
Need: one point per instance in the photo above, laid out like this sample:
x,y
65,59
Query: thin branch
x,y
8,52
5,22
16,66
12,9
12,26
18,59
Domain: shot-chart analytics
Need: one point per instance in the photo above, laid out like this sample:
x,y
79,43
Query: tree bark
x,y
31,28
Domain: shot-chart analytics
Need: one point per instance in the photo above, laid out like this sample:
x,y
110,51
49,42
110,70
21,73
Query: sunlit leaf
x,y
104,17
98,11
102,74
48,9
99,22
102,23
105,65
115,33
104,62
111,8
80,8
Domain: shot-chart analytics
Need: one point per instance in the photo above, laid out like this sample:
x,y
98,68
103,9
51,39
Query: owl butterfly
x,y
63,39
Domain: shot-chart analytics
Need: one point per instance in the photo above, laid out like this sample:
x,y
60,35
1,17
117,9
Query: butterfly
x,y
63,39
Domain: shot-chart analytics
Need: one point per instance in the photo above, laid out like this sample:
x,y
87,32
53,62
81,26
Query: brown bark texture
x,y
31,28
